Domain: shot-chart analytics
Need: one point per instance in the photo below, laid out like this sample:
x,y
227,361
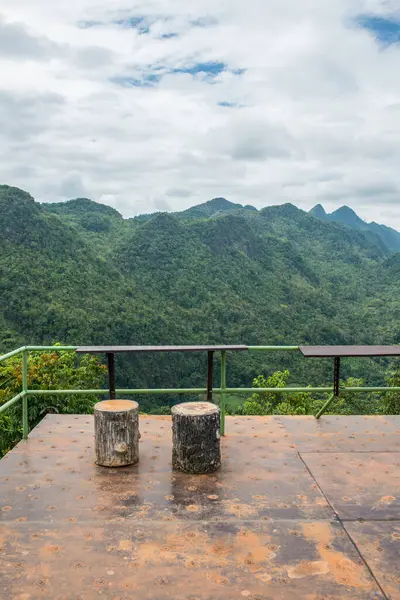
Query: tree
x,y
46,371
269,403
305,403
391,400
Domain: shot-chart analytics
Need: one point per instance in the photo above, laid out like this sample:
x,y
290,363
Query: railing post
x,y
325,406
25,395
223,388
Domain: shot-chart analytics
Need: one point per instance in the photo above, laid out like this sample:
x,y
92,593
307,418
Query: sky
x,y
160,105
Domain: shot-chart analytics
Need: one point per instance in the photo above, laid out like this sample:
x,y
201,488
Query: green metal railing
x,y
222,391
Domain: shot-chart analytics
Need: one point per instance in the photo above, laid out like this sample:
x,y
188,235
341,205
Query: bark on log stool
x,y
196,437
116,433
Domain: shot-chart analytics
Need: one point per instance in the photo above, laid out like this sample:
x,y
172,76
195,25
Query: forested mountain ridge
x,y
347,216
79,273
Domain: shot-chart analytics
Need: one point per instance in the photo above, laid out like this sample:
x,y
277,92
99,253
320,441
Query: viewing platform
x,y
300,509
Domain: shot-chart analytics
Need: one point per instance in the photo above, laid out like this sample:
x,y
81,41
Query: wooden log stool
x,y
116,433
196,437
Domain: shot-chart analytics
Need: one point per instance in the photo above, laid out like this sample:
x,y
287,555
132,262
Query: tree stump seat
x,y
116,432
196,437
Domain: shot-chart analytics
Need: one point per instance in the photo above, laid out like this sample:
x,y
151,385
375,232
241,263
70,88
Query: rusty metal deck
x,y
301,509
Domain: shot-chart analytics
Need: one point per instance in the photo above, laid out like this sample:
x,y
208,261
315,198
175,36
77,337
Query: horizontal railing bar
x,y
56,348
371,389
65,392
283,390
12,353
149,391
6,405
165,391
271,348
73,348
122,392
308,389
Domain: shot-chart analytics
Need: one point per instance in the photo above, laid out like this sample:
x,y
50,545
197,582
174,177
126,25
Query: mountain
x,y
213,208
347,216
53,283
318,212
231,274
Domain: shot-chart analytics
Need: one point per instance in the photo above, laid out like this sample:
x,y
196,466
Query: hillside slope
x,y
345,215
79,273
54,285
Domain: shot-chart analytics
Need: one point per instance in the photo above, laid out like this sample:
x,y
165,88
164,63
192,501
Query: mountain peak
x,y
218,204
222,204
346,215
211,207
318,211
281,210
79,206
19,213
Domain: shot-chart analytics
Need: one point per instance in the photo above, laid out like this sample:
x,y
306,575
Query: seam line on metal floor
x,y
349,451
188,522
339,520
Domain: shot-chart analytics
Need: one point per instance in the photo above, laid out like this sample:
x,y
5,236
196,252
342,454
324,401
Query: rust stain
x,y
242,511
307,569
254,549
143,511
387,499
217,578
264,577
125,545
49,550
378,541
344,570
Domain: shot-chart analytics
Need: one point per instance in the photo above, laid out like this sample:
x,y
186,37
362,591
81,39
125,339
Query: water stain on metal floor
x,y
183,560
379,543
353,433
258,528
359,485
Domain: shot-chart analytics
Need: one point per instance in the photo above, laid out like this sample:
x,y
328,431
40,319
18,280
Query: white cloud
x,y
314,116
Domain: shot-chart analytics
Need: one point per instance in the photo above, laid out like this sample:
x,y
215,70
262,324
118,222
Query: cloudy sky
x,y
159,105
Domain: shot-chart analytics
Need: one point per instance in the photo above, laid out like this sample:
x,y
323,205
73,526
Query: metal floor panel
x,y
359,485
182,561
258,528
379,544
344,433
53,474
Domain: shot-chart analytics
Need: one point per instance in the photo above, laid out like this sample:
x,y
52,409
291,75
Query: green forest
x,y
79,273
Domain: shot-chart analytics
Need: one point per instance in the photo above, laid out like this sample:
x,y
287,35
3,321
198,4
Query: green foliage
x,y
358,403
270,403
10,433
303,403
391,400
47,371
